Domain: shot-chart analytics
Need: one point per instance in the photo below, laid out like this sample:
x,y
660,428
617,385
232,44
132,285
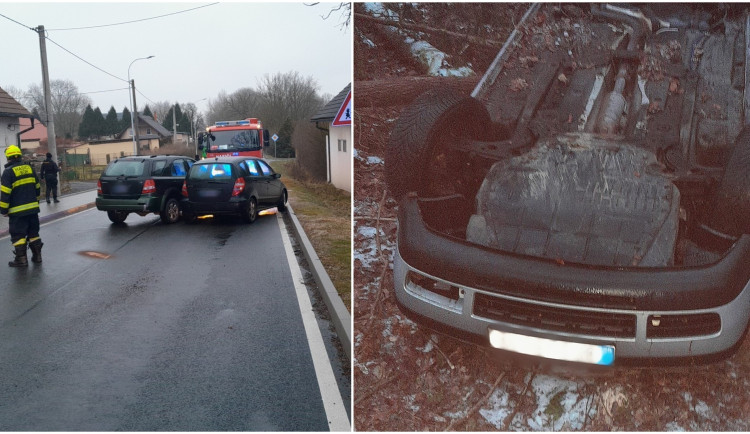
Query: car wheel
x,y
281,205
251,210
424,132
171,212
117,216
730,212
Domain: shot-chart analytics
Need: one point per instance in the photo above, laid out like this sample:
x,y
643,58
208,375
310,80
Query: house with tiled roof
x,y
336,119
11,111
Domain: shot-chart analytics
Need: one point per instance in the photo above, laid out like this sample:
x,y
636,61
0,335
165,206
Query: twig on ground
x,y
509,418
383,260
476,407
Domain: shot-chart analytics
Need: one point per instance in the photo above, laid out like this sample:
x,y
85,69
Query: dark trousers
x,y
23,227
51,183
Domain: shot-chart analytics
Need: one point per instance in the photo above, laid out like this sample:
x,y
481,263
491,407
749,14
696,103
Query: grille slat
x,y
684,325
587,322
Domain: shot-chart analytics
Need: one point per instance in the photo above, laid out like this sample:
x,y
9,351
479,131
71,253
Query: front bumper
x,y
645,313
145,203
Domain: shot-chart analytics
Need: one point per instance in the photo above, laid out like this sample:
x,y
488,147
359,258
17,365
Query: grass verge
x,y
325,214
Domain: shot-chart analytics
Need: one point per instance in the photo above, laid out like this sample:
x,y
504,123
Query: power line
x,y
85,61
102,91
133,21
20,24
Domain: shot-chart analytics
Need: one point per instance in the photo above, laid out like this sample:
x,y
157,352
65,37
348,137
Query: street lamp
x,y
131,87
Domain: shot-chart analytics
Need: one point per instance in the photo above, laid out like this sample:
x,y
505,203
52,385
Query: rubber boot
x,y
20,260
36,251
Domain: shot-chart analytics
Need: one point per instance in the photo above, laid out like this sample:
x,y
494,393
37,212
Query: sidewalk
x,y
69,204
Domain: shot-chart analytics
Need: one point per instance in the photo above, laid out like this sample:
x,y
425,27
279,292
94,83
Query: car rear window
x,y
213,171
124,168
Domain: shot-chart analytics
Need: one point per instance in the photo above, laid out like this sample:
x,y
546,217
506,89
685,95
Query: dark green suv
x,y
143,185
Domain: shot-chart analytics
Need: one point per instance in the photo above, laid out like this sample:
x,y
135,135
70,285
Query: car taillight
x,y
239,185
184,188
99,187
149,187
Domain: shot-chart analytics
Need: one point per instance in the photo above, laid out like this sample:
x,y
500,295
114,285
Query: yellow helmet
x,y
12,151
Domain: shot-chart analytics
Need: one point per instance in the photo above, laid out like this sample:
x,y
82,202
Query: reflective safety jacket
x,y
19,189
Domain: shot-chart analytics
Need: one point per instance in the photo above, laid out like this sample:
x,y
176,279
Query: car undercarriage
x,y
595,187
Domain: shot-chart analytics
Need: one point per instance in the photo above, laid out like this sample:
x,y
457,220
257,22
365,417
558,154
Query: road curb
x,y
339,314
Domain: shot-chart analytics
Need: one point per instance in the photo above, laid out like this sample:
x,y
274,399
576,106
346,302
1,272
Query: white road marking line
x,y
329,390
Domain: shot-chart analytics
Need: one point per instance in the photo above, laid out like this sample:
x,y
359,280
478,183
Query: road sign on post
x,y
344,115
274,138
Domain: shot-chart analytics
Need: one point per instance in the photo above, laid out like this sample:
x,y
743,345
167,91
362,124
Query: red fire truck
x,y
234,138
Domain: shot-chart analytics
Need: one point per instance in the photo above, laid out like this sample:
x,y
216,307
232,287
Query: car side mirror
x,y
276,175
200,140
265,137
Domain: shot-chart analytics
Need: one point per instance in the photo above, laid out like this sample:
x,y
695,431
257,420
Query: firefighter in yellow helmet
x,y
19,201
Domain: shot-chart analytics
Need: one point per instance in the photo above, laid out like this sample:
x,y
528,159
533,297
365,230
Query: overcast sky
x,y
198,52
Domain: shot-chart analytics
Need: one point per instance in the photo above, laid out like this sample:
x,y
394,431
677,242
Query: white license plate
x,y
552,349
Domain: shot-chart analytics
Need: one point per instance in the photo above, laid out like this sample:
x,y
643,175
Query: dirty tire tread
x,y
412,137
732,201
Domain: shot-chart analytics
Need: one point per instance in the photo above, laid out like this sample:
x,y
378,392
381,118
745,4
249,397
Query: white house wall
x,y
8,131
341,157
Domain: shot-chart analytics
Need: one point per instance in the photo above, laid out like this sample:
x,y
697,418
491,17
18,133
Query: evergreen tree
x,y
100,123
284,144
113,125
85,128
126,120
147,112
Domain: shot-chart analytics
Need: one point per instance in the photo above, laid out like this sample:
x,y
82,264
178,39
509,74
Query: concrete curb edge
x,y
339,314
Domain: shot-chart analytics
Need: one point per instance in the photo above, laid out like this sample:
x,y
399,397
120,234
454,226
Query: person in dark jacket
x,y
19,201
49,173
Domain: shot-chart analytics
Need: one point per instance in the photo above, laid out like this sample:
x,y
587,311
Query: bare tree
x,y
287,95
241,104
17,94
67,105
160,109
345,13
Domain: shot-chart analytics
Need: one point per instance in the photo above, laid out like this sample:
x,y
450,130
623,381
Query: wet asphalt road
x,y
182,327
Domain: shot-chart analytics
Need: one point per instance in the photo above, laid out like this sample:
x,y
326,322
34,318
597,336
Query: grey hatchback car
x,y
232,185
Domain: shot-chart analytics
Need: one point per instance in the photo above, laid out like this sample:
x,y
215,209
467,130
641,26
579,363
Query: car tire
x,y
730,212
281,205
251,210
117,216
171,212
430,123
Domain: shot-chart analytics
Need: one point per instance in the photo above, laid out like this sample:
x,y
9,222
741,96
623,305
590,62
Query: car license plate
x,y
553,349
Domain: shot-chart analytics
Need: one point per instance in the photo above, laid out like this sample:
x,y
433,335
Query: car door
x,y
255,180
271,181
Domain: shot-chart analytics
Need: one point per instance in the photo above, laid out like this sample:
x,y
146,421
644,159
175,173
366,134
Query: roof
x,y
330,110
155,125
38,133
9,107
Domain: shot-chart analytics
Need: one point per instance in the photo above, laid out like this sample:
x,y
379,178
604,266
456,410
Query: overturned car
x,y
590,200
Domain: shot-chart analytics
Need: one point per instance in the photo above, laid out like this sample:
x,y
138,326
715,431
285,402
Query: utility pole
x,y
136,143
174,125
51,143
